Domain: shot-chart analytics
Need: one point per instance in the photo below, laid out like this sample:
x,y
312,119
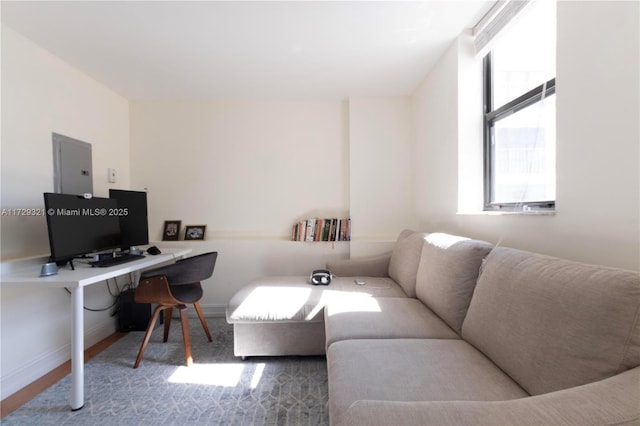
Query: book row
x,y
317,229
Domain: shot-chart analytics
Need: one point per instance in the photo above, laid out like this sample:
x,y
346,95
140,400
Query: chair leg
x,y
154,318
202,321
167,323
184,319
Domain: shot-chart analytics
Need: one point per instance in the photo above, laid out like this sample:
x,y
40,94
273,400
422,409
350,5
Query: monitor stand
x,y
62,263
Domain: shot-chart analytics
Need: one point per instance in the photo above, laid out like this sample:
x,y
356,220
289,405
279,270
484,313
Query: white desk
x,y
27,276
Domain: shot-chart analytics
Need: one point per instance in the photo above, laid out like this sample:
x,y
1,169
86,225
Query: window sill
x,y
507,213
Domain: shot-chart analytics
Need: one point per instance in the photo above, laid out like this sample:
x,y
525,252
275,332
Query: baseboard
x,y
214,311
17,379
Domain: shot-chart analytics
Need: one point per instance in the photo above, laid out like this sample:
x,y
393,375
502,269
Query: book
x,y
322,229
311,230
326,223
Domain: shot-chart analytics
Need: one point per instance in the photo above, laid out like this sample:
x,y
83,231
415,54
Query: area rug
x,y
219,389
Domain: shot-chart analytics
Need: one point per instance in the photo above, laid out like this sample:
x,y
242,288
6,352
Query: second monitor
x,y
134,228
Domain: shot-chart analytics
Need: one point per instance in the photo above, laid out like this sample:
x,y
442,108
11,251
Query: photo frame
x,y
171,230
194,232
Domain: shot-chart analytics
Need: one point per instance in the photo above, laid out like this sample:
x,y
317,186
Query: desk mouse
x,y
153,250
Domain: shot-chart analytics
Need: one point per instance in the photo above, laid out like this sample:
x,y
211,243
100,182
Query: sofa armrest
x,y
613,401
369,266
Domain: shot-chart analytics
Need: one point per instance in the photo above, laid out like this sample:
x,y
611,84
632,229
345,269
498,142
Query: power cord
x,y
116,296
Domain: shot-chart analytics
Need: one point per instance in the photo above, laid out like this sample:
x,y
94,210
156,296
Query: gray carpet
x,y
218,390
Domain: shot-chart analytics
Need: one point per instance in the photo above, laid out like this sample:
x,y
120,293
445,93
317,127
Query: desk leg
x,y
77,348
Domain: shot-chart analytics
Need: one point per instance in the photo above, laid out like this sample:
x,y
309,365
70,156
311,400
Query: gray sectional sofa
x,y
452,331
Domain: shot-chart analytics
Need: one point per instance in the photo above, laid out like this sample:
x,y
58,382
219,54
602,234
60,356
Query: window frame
x,y
492,116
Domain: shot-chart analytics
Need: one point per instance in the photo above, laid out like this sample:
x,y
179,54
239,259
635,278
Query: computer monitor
x,y
134,227
78,226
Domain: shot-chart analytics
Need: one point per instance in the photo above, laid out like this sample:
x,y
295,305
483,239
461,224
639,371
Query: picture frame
x,y
194,232
171,230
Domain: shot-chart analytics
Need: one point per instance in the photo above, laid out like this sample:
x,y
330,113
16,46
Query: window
x,y
519,114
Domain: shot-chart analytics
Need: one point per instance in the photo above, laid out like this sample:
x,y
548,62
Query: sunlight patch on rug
x,y
224,374
257,375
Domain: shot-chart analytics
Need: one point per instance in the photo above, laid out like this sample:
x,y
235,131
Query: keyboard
x,y
112,261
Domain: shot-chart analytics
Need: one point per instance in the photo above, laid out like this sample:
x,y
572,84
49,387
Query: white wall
x,y
435,152
598,181
41,95
245,169
248,170
380,171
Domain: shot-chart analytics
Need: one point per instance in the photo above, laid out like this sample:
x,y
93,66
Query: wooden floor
x,y
29,392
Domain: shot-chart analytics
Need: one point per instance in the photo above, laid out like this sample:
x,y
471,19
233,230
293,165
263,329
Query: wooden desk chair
x,y
175,286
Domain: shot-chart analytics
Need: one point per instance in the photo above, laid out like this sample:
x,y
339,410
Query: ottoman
x,y
285,315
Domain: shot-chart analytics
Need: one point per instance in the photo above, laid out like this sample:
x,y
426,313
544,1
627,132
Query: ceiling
x,y
297,50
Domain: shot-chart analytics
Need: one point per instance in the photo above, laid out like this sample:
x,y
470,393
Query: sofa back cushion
x,y
552,323
447,275
405,258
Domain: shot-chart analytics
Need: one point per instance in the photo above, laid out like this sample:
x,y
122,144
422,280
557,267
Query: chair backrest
x,y
186,271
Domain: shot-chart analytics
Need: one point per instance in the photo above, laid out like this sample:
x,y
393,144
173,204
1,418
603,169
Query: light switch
x,y
112,175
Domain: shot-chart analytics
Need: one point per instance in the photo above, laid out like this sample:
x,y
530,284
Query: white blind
x,y
497,18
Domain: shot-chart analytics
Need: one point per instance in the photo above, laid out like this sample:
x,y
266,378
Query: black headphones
x,y
320,277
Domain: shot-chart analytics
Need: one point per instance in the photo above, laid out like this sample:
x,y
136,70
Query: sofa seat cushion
x,y
554,324
609,402
383,318
373,287
293,299
412,370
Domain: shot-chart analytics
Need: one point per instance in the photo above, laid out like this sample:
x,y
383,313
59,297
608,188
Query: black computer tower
x,y
133,316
